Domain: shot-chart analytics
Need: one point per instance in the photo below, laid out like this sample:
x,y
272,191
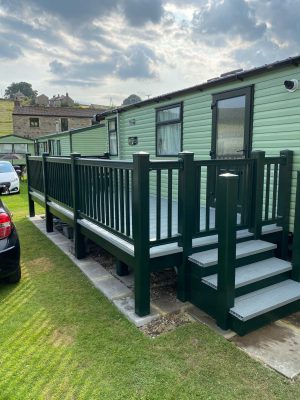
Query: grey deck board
x,y
253,272
264,300
210,257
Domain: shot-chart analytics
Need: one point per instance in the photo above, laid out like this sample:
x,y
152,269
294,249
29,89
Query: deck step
x,y
261,301
253,272
209,258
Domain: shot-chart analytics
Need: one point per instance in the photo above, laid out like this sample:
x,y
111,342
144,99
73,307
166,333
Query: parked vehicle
x,y
9,178
10,268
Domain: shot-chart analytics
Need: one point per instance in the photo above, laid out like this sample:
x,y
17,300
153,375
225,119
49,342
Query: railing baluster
x,y
267,195
208,198
111,198
116,199
197,198
127,203
158,204
170,201
274,205
102,190
121,183
106,188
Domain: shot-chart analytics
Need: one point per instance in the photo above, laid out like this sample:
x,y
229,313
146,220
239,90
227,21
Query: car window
x,y
5,168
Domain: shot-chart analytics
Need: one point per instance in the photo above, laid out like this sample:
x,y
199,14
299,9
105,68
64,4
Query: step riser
x,y
215,245
244,327
272,280
201,272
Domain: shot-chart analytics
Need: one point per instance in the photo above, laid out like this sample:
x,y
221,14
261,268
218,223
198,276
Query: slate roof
x,y
56,111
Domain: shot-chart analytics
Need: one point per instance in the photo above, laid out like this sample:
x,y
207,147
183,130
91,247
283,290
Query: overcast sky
x,y
102,49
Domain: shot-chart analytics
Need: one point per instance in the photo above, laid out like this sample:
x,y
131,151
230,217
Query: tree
x,y
24,87
133,98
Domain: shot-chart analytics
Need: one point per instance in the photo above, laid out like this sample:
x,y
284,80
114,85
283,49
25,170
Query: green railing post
x,y
48,215
186,218
296,239
79,244
226,203
30,201
257,193
141,235
284,198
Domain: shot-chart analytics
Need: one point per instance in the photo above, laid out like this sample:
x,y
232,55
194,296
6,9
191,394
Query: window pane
x,y
169,139
169,114
231,127
113,149
64,124
112,125
5,148
20,148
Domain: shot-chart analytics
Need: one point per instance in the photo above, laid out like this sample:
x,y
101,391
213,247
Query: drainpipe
x,y
118,134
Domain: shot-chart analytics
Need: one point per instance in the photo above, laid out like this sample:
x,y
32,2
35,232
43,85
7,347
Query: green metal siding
x,y
276,120
90,142
14,139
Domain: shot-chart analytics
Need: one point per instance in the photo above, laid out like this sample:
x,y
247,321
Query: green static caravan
x,y
224,118
89,141
13,148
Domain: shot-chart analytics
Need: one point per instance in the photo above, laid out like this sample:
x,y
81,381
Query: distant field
x,y
6,108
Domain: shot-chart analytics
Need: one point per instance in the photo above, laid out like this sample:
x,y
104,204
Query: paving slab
x,y
276,345
126,306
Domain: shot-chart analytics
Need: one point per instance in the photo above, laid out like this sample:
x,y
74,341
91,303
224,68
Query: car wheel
x,y
15,277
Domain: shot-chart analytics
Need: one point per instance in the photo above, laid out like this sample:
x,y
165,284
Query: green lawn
x,y
61,339
6,109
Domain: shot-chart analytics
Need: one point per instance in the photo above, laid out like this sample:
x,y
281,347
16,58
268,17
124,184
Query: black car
x,y
10,269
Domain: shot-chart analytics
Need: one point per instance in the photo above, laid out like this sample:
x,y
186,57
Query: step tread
x,y
253,272
264,300
210,257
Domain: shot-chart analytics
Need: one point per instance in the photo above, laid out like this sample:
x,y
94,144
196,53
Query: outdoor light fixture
x,y
291,85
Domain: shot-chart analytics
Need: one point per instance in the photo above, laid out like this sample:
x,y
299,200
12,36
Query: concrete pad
x,y
111,287
126,306
206,319
167,305
276,345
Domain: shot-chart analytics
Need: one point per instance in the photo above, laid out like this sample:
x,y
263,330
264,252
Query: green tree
x,y
24,87
133,98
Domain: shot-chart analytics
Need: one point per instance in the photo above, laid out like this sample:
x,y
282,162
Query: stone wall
x,y
21,125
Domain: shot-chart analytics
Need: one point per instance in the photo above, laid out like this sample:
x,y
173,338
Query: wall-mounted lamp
x,y
132,140
132,121
291,85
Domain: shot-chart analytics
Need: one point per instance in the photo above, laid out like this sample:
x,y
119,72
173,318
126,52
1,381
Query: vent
x,y
234,72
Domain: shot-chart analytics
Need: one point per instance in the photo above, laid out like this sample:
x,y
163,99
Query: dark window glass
x,y
64,124
113,137
169,130
34,122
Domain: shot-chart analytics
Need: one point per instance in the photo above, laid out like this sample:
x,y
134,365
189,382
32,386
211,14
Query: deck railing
x,y
150,203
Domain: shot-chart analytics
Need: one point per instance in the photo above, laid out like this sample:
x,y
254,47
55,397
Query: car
x,y
9,178
10,269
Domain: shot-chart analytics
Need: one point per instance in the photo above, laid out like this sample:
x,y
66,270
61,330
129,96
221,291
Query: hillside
x,y
6,109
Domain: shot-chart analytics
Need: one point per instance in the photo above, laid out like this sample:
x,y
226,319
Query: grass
x,y
6,109
61,339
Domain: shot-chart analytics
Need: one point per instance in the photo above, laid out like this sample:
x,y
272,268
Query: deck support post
x,y
79,244
122,268
31,208
258,192
48,215
296,240
186,218
141,235
227,194
284,198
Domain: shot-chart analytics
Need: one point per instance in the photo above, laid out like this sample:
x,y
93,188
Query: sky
x,y
101,51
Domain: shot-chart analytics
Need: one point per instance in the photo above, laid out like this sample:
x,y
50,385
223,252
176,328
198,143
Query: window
x,y
5,148
58,148
34,122
169,130
231,125
20,148
112,137
64,124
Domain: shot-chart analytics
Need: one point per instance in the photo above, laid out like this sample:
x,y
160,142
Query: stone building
x,y
61,101
42,100
32,121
